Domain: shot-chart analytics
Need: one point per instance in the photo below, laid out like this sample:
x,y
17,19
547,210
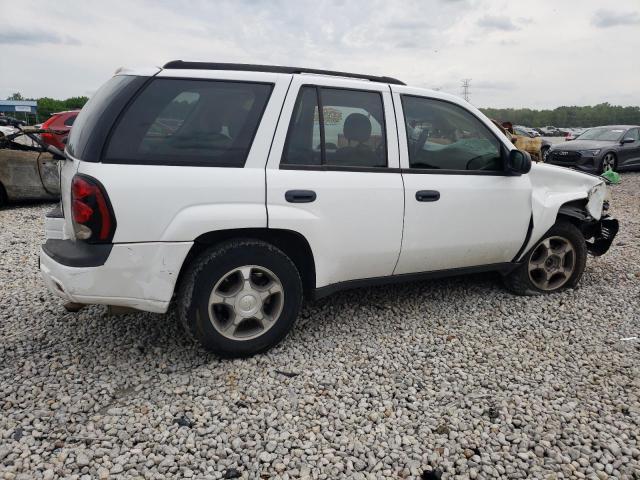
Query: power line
x,y
466,85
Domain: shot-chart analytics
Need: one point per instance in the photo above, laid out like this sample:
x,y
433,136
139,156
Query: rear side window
x,y
348,132
70,120
303,145
96,117
189,122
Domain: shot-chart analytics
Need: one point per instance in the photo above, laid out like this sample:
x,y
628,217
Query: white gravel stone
x,y
453,375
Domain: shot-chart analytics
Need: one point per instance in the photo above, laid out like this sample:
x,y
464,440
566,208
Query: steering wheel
x,y
422,139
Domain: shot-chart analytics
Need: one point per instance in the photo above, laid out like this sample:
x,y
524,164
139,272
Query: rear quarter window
x,y
92,125
189,122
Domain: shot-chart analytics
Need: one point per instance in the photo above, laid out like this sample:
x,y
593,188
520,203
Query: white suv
x,y
238,189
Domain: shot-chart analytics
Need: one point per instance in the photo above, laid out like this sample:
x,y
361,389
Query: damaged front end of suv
x,y
593,220
579,198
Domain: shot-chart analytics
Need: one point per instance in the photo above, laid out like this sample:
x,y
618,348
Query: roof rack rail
x,y
244,67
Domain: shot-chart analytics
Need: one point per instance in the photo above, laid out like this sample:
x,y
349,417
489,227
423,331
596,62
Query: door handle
x,y
300,196
427,195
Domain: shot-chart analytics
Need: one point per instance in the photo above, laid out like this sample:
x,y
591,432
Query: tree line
x,y
589,116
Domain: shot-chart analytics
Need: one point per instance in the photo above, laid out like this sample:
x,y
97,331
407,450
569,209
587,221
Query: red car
x,y
61,122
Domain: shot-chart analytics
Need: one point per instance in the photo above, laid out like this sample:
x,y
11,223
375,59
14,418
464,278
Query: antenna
x,y
466,85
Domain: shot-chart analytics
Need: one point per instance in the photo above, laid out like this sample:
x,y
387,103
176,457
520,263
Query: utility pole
x,y
466,84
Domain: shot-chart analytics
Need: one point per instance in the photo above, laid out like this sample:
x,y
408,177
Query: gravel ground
x,y
453,377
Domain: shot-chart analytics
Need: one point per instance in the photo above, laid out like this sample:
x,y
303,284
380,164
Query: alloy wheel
x,y
608,162
552,263
246,302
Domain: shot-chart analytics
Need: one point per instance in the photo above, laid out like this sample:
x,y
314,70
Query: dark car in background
x,y
599,149
60,122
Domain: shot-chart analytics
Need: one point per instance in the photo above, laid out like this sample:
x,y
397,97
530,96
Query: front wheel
x,y
240,298
544,151
609,162
554,264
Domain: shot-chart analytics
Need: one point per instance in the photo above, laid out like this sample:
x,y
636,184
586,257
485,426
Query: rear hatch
x,y
91,130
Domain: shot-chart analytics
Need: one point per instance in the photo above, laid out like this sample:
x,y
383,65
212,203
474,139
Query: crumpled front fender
x,y
552,187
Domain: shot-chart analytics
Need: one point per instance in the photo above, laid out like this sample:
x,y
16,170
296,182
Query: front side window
x,y
444,136
190,122
634,133
603,133
349,131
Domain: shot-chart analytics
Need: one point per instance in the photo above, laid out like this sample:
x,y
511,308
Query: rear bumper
x,y
135,275
54,225
605,232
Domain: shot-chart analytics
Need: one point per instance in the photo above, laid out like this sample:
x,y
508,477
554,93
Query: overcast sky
x,y
536,54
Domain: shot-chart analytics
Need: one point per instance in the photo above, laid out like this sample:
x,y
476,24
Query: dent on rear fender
x,y
193,221
552,187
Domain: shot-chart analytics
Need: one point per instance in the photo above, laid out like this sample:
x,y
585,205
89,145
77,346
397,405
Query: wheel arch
x,y
4,198
292,243
547,211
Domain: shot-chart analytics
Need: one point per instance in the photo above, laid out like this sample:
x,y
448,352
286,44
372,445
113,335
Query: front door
x,y
630,152
461,209
333,176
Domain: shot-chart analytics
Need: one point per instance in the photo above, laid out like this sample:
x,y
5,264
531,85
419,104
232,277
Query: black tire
x,y
209,268
520,282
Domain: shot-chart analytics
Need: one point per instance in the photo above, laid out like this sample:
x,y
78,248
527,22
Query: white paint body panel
x,y
168,203
554,186
354,227
478,220
141,276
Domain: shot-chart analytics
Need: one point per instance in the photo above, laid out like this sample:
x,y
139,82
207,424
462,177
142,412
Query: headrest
x,y
357,127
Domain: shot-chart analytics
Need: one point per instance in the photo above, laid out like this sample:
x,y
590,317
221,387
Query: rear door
x,y
333,176
461,209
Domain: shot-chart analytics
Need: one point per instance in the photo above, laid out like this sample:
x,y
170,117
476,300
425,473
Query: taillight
x,y
93,218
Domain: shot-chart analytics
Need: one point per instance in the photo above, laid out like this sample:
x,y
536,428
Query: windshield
x,y
603,133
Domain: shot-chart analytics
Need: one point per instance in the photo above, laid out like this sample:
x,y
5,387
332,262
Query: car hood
x,y
554,184
563,177
575,145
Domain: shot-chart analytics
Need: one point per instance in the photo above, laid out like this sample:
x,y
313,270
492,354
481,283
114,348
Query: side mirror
x,y
518,163
627,140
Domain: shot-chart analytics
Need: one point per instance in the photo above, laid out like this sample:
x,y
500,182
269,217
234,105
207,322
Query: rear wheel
x,y
609,162
554,264
240,298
